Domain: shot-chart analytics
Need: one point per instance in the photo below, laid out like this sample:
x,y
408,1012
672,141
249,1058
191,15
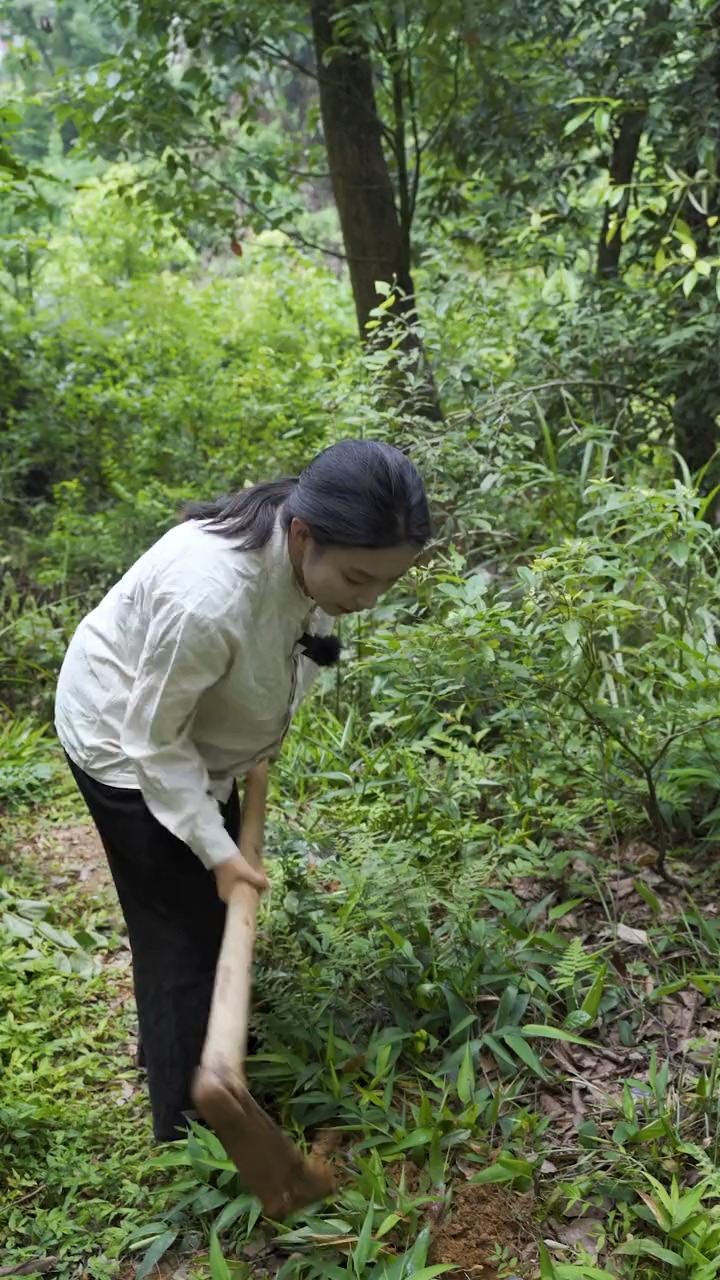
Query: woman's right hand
x,y
235,869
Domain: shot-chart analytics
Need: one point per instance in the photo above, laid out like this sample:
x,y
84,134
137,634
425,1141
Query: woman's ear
x,y
300,534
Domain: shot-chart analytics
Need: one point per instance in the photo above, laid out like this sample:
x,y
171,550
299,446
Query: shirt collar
x,y
281,569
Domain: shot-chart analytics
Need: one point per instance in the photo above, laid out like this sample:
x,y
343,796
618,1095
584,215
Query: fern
x,y
574,962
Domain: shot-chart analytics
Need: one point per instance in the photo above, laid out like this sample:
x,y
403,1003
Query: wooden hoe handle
x,y
226,1038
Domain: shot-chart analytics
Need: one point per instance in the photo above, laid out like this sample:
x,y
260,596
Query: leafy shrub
x,y
25,767
136,376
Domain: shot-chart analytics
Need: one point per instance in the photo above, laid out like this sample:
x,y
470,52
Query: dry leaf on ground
x,y
638,937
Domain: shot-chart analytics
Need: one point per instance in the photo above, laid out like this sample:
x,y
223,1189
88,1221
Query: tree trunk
x,y
377,244
361,180
655,42
696,410
622,164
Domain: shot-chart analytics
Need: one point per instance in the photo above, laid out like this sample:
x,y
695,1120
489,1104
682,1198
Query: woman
x,y
187,674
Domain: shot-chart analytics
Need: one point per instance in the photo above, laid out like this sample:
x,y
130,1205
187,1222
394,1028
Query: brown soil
x,y
484,1225
328,1143
73,854
478,1226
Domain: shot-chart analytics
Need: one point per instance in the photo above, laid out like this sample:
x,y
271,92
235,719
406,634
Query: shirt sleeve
x,y
183,655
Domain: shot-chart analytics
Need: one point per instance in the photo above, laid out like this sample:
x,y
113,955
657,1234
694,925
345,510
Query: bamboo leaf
x,y
466,1076
159,1246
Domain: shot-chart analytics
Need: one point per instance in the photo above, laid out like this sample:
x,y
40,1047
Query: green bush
x,y
571,695
137,375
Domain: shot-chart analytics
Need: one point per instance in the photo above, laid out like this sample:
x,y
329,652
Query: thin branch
x,y
417,150
454,99
213,142
398,102
265,214
280,56
380,34
653,809
598,383
656,817
680,733
36,1266
314,75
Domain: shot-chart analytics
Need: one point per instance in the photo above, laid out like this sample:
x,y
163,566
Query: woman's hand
x,y
235,869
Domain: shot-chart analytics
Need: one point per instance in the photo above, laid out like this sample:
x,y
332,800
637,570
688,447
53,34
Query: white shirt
x,y
186,674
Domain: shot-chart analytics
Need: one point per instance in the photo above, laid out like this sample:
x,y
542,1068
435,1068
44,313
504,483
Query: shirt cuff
x,y
215,848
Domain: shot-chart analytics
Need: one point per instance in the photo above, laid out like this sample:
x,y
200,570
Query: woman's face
x,y
346,579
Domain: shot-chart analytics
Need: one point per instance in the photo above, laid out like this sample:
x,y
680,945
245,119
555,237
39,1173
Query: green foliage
x,y
34,633
445,928
596,664
71,1145
139,384
31,921
25,770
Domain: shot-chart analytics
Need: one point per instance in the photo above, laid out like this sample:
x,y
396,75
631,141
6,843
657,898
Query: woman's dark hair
x,y
358,493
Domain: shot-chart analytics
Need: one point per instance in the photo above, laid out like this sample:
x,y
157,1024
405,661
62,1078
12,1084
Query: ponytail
x,y
248,515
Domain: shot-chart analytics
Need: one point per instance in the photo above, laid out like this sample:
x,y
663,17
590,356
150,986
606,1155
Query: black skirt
x,y
175,922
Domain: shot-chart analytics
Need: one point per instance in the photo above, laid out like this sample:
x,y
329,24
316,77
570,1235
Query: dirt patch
x,y
328,1143
71,857
485,1227
408,1174
75,856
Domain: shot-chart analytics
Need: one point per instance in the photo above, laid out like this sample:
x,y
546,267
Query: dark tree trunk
x,y
656,40
376,239
361,180
696,410
622,163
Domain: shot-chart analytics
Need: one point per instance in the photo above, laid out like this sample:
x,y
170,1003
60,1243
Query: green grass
x,y
74,1139
553,1033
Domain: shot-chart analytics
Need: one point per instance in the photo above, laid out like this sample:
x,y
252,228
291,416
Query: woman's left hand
x,y
235,869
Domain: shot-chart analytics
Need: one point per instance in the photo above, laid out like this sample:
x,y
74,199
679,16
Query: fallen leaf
x,y
556,1246
254,1249
127,1091
578,1105
652,1205
527,888
637,937
488,1066
327,1142
679,1014
640,853
701,1048
587,1232
596,1066
622,888
552,1106
559,1050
